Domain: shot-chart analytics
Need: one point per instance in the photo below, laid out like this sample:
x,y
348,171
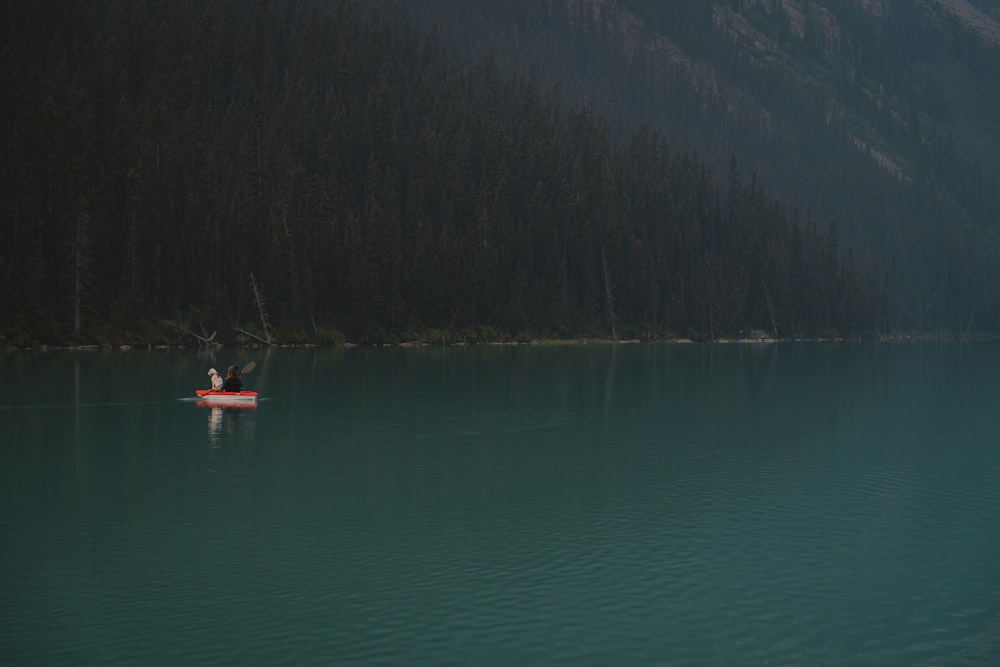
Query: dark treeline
x,y
190,162
877,116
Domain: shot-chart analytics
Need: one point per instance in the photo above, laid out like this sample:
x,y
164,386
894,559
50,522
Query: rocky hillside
x,y
980,16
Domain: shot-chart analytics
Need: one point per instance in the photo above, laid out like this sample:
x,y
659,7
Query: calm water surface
x,y
801,504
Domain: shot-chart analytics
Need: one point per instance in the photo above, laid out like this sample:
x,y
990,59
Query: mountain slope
x,y
290,171
876,114
982,17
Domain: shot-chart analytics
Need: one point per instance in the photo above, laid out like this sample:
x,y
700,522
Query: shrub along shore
x,y
484,336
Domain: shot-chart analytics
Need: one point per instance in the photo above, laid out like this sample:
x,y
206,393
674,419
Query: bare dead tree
x,y
770,309
263,313
81,264
609,293
293,264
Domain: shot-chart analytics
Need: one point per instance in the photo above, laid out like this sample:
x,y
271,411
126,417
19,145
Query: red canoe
x,y
210,396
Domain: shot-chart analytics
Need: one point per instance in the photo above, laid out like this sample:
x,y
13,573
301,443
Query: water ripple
x,y
580,527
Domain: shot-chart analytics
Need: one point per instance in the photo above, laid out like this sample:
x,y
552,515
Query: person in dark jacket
x,y
232,382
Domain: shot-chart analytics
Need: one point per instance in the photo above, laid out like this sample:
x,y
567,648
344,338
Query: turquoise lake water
x,y
739,504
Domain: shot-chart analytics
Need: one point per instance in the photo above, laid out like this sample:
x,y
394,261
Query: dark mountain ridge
x,y
877,115
309,172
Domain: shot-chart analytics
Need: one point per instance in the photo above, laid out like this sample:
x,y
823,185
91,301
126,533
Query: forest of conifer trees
x,y
878,117
310,173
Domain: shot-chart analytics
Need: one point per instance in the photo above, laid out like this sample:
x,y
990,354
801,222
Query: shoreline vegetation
x,y
476,340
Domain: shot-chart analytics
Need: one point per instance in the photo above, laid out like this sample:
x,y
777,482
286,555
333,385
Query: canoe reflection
x,y
223,421
218,405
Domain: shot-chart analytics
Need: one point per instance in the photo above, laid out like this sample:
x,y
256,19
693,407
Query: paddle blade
x,y
249,367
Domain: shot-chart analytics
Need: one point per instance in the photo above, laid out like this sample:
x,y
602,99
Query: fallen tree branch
x,y
203,341
255,337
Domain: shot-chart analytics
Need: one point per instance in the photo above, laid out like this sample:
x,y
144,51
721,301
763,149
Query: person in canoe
x,y
216,379
232,381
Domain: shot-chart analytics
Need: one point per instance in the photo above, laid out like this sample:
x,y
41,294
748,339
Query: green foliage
x,y
374,188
